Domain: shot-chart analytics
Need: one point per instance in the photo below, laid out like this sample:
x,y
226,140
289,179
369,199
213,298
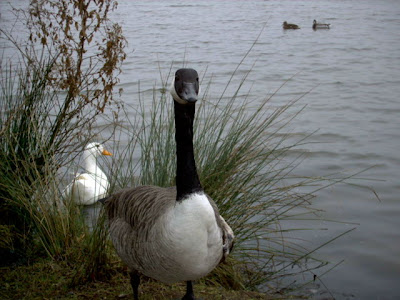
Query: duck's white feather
x,y
87,188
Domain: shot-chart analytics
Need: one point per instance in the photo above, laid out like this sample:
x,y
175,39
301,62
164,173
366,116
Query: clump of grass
x,y
25,154
68,68
35,219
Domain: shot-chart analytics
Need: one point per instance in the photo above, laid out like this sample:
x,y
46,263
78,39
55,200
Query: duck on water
x,y
317,25
171,234
287,25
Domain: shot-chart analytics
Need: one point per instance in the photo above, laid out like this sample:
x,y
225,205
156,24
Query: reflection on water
x,y
91,214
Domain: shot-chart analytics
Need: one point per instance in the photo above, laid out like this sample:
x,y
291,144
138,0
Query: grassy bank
x,y
47,279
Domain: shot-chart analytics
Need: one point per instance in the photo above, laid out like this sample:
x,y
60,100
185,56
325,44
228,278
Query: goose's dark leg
x,y
135,281
189,291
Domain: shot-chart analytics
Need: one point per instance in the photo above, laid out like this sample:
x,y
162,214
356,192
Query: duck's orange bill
x,y
105,152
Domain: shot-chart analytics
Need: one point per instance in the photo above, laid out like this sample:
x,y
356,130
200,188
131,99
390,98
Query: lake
x,y
350,75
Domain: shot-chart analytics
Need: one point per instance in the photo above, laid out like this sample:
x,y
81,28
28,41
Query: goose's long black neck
x,y
187,180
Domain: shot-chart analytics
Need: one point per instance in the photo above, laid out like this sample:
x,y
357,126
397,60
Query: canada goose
x,y
317,25
286,25
87,188
176,233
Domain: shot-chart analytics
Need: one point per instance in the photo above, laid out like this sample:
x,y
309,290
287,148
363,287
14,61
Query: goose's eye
x,y
97,146
176,78
197,79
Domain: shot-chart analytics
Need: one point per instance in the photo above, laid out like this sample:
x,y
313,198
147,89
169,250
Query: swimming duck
x,y
286,25
176,233
317,25
88,187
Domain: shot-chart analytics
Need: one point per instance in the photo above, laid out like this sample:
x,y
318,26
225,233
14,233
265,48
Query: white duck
x,y
87,188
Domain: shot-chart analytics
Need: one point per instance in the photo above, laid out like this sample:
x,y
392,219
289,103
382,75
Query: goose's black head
x,y
185,87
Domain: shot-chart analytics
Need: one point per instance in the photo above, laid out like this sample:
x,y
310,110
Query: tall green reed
x,y
30,158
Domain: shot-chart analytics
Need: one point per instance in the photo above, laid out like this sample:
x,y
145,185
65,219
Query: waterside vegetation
x,y
49,106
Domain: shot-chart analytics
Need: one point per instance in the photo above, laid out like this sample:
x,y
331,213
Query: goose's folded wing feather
x,y
228,237
138,206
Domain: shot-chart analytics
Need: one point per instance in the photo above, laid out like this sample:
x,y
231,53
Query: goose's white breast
x,y
190,240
